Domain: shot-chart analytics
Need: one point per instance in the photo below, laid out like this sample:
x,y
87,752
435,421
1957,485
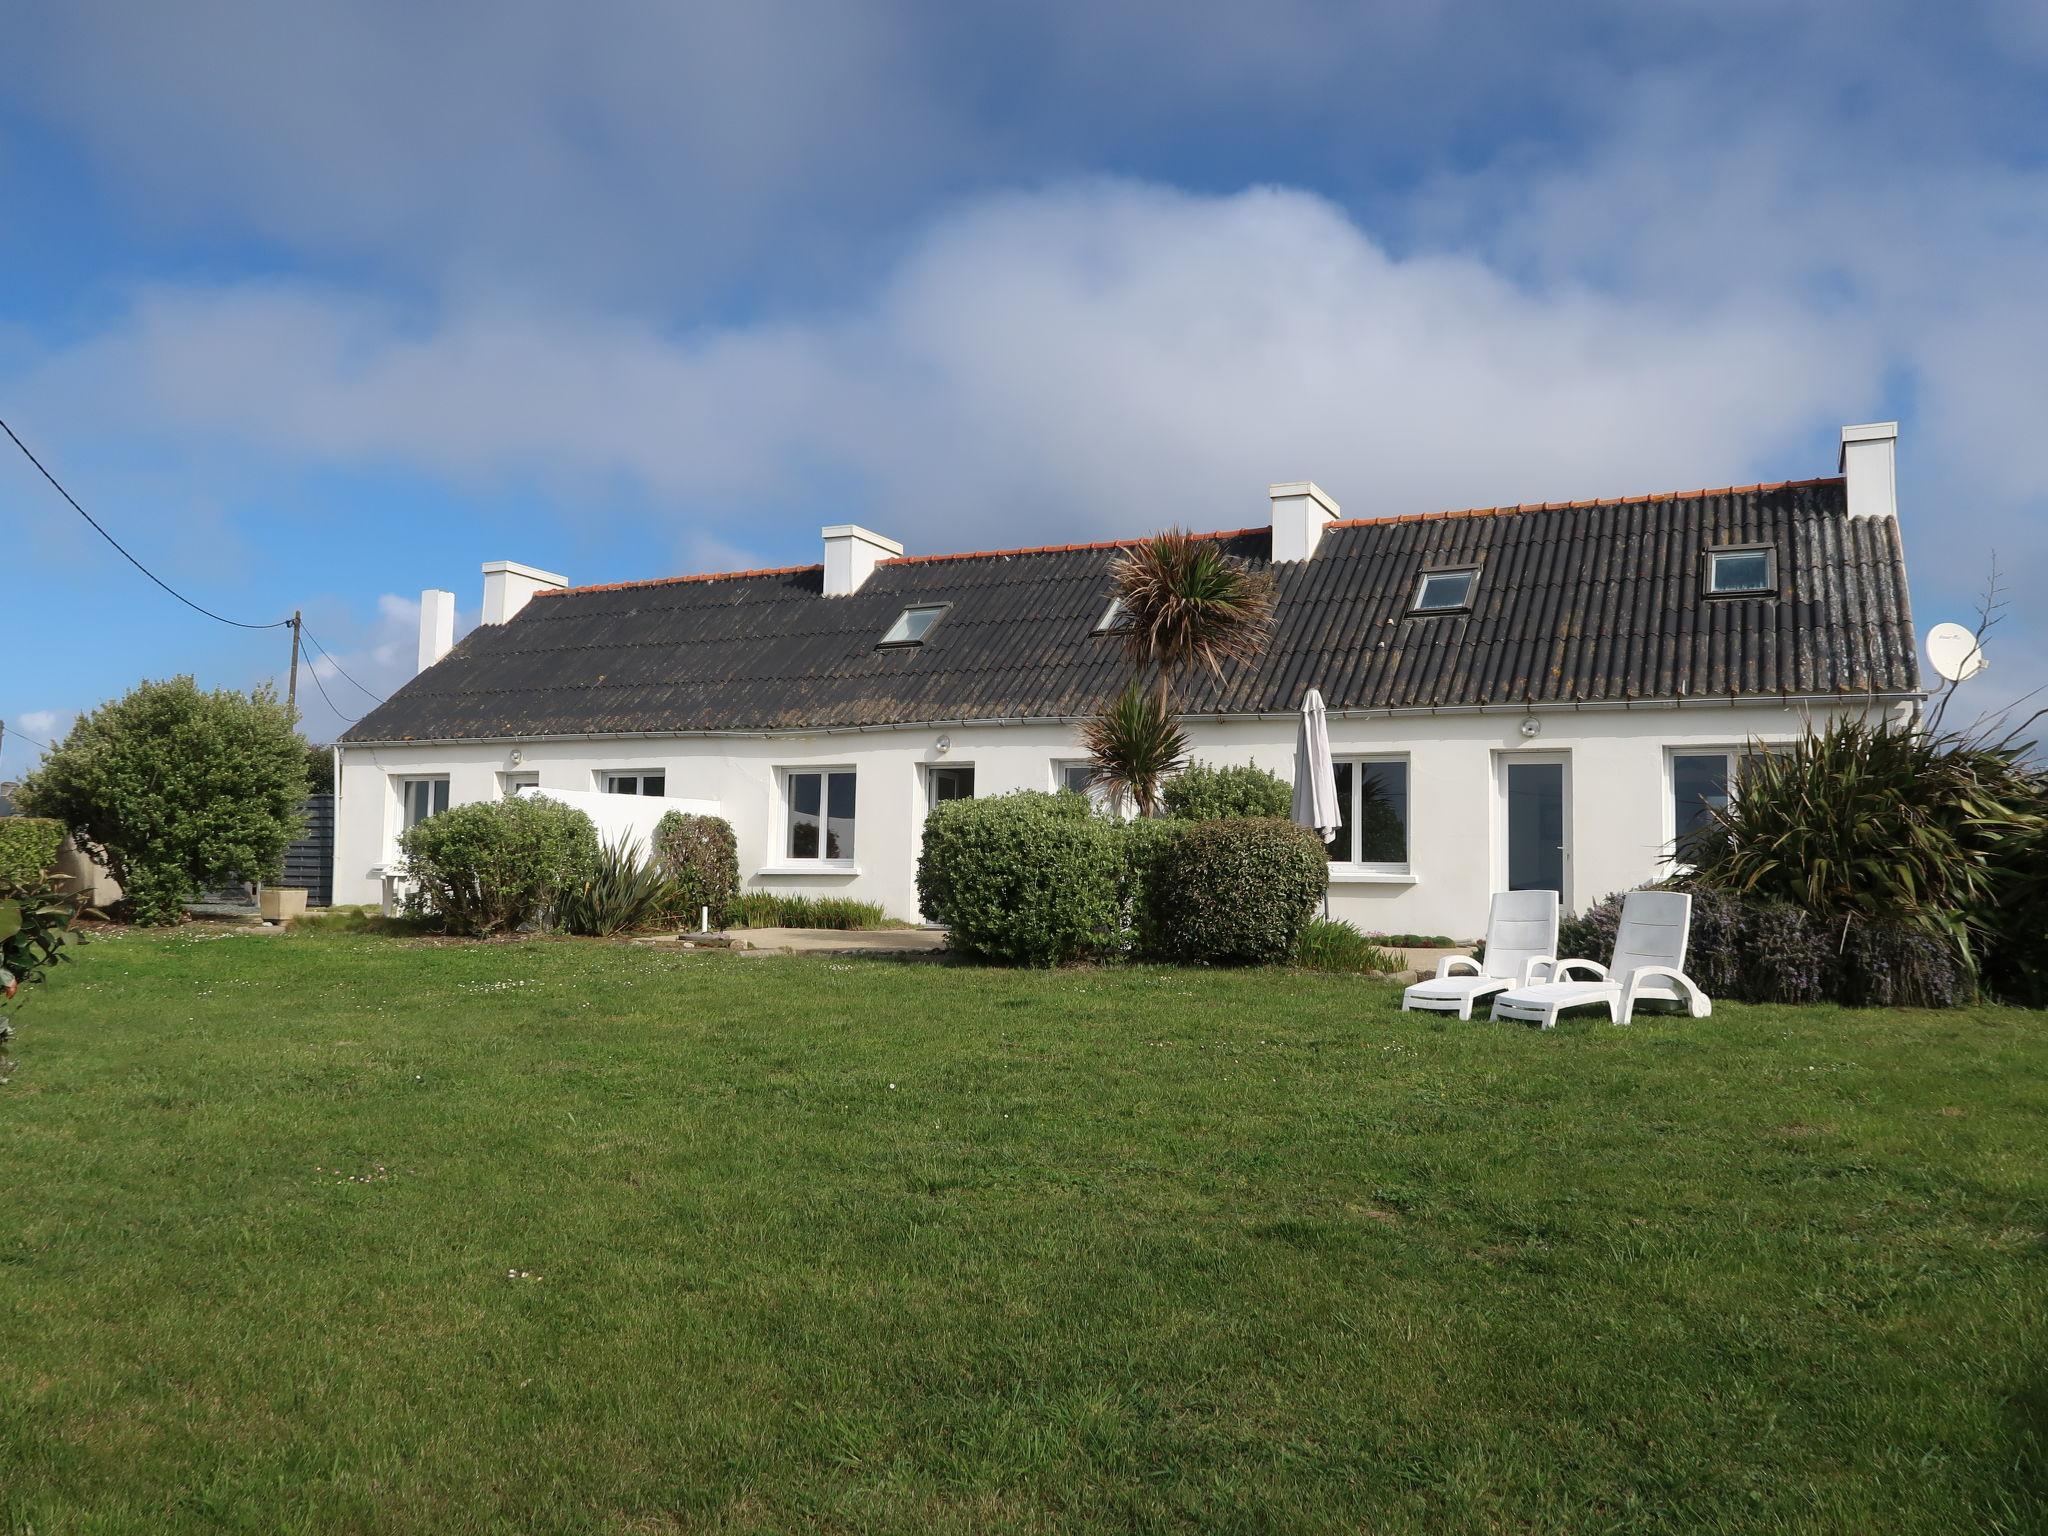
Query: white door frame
x,y
1502,761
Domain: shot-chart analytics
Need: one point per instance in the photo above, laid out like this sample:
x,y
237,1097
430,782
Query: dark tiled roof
x,y
1580,601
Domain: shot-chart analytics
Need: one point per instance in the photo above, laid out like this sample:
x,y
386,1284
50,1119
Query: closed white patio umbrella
x,y
1315,776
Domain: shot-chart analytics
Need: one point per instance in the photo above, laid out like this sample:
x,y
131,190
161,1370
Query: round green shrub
x,y
1237,891
700,855
1203,792
495,865
1142,845
28,847
1024,878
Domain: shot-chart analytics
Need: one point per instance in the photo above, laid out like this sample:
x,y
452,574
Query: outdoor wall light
x,y
1532,727
944,745
518,757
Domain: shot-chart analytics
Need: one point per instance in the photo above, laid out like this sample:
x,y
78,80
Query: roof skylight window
x,y
913,624
1112,616
1733,572
1445,591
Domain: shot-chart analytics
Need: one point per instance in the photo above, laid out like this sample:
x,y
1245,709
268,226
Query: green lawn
x,y
343,1233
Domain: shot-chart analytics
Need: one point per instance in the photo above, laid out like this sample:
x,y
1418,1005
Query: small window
x,y
821,812
954,782
1445,591
1112,616
1372,814
1731,572
912,625
420,798
636,783
511,783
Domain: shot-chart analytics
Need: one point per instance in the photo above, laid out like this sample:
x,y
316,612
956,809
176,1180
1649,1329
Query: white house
x,y
1536,695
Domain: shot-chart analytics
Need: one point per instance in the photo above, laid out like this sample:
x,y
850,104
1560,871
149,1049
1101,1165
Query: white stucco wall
x,y
1618,794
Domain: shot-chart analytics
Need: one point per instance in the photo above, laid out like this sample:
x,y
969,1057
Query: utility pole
x,y
291,698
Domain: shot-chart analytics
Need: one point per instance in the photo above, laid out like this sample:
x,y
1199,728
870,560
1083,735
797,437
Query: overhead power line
x,y
346,720
152,575
15,730
307,635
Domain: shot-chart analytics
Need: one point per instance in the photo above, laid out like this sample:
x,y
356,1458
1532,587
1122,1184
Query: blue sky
x,y
315,312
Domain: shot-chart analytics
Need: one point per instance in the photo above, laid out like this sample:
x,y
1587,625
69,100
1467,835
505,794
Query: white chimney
x,y
851,555
1301,511
437,625
1870,461
508,586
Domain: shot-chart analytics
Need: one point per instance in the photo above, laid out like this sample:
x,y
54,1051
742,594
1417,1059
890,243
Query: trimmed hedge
x,y
1237,891
496,865
1201,792
28,847
701,857
1024,878
1754,950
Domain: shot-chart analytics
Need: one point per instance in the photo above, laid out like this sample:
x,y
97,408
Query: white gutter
x,y
1568,706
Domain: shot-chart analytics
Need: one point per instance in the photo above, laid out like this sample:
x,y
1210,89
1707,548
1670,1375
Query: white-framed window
x,y
509,784
1111,617
638,782
1703,781
419,797
1372,815
948,781
913,624
1445,591
1747,571
820,807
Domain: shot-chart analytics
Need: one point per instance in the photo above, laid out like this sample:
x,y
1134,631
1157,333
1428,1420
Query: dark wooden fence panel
x,y
309,863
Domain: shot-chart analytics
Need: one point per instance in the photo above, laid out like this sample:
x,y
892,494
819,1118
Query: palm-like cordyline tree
x,y
1184,603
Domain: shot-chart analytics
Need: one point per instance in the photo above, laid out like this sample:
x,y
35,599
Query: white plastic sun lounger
x,y
1521,935
1649,960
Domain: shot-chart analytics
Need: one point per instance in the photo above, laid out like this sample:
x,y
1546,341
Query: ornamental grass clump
x,y
624,892
1870,826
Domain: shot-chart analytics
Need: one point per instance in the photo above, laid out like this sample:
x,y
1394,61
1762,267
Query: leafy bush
x,y
28,846
1141,845
2015,965
1325,945
700,856
1754,950
1237,892
35,925
177,790
1024,878
625,893
1201,792
769,909
496,865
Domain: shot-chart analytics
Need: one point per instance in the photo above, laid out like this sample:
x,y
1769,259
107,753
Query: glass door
x,y
1537,859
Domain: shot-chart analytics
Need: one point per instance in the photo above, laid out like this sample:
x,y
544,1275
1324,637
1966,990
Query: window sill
x,y
815,868
1339,875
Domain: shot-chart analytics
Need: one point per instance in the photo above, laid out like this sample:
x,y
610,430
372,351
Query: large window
x,y
821,812
636,783
420,798
1372,813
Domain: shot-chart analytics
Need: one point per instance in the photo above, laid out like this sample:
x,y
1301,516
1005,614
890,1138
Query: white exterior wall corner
x,y
1619,792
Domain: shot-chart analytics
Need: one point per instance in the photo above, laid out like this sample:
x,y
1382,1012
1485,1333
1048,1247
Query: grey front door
x,y
1536,831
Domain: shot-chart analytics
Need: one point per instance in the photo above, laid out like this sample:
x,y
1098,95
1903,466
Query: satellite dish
x,y
1955,652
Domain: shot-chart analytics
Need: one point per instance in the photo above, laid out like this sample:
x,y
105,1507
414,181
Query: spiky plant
x,y
1880,822
1135,745
1187,603
625,893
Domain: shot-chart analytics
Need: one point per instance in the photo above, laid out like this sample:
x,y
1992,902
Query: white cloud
x,y
41,722
1102,357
